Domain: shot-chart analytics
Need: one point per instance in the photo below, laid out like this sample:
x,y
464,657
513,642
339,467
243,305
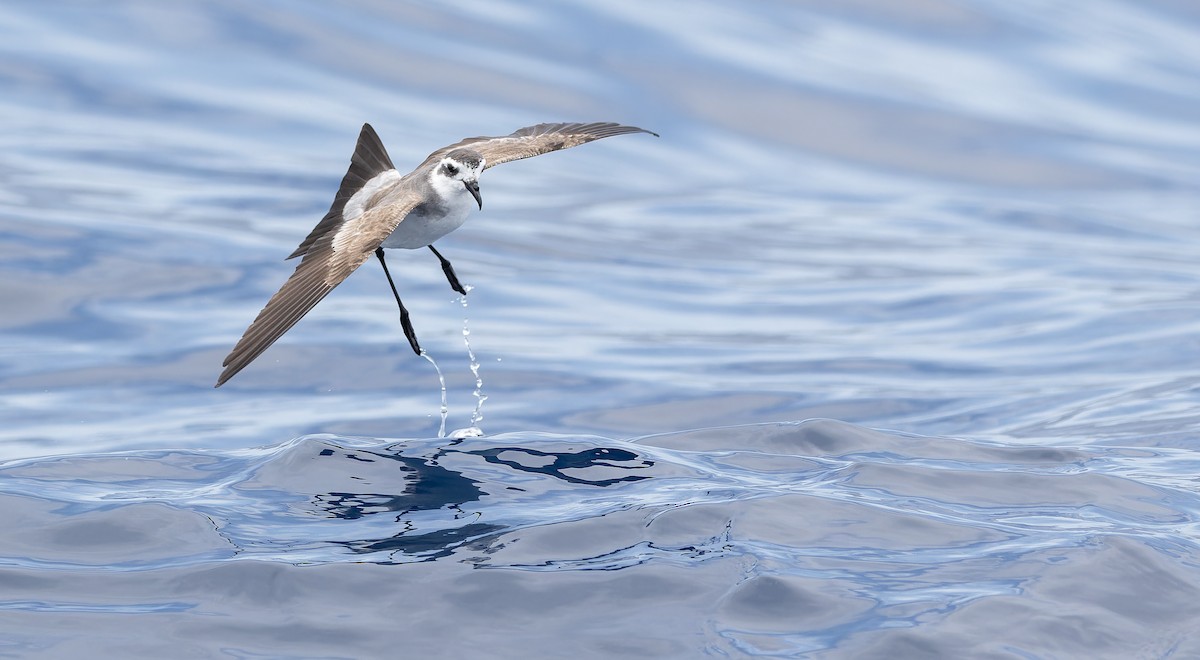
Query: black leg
x,y
405,323
449,271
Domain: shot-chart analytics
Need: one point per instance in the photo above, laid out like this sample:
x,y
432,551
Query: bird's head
x,y
462,166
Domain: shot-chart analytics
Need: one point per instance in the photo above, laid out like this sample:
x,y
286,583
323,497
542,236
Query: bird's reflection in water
x,y
431,487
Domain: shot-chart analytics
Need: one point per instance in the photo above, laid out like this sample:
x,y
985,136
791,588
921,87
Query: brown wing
x,y
329,261
536,140
370,159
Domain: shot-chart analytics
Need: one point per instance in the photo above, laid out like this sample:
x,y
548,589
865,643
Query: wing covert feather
x,y
327,264
535,140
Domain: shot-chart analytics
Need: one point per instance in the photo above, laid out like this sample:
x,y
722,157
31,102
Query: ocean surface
x,y
888,347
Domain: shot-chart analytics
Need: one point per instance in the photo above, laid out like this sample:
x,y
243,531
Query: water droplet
x,y
445,411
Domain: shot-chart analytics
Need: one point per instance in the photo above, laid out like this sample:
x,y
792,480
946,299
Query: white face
x,y
457,182
458,171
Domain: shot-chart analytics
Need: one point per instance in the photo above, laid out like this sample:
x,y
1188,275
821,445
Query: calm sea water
x,y
888,347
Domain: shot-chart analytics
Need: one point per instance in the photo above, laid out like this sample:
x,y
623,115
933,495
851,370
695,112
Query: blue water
x,y
887,347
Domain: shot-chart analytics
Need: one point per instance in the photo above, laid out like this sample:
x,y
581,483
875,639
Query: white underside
x,y
420,229
428,223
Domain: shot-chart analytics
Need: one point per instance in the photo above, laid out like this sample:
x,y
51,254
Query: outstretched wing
x,y
535,140
329,260
370,160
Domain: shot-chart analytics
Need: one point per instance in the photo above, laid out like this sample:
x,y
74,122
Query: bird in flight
x,y
376,207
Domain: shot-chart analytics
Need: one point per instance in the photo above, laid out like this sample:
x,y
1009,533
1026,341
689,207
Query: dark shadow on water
x,y
428,546
429,486
591,458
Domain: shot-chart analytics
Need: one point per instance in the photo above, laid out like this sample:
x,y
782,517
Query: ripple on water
x,y
821,533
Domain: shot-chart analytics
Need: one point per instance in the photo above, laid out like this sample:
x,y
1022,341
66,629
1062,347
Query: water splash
x,y
445,411
480,397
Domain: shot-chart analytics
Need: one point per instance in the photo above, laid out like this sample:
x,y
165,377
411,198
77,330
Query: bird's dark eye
x,y
451,169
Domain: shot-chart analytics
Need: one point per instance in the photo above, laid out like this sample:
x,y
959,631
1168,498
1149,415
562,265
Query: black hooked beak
x,y
473,186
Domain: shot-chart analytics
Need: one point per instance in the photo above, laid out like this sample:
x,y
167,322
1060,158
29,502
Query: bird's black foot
x,y
409,333
448,269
